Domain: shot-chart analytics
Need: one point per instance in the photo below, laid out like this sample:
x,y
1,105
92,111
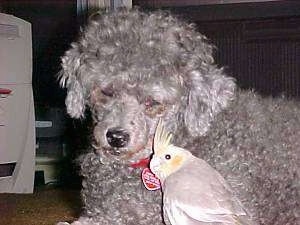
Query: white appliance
x,y
17,123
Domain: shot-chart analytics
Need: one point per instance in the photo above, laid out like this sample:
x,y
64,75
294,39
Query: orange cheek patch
x,y
176,161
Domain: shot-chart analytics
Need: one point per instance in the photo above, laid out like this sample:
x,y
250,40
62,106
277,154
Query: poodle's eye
x,y
153,107
150,102
167,156
108,92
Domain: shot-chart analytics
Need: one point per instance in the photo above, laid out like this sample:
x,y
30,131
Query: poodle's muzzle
x,y
123,131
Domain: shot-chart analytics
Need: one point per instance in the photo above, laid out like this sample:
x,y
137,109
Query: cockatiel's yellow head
x,y
167,158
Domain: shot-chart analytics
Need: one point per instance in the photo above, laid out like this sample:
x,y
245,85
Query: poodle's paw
x,y
81,221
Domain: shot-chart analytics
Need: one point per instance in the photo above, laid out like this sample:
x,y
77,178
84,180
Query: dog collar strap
x,y
143,163
150,181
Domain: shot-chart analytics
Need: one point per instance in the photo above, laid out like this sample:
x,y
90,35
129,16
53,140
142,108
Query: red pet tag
x,y
150,181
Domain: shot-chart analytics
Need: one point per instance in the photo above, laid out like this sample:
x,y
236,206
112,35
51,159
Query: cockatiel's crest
x,y
167,158
162,138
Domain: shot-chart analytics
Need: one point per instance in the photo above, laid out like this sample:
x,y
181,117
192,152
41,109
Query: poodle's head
x,y
130,68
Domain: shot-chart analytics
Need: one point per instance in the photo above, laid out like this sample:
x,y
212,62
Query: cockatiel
x,y
193,192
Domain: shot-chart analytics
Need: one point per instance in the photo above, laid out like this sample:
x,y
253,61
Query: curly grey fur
x,y
130,68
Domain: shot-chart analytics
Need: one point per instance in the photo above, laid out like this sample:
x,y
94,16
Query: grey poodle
x,y
131,68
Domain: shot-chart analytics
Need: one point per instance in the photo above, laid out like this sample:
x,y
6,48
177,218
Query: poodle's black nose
x,y
117,137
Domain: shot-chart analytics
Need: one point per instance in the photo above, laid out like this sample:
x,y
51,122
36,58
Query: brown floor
x,y
45,206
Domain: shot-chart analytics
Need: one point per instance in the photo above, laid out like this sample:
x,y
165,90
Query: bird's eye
x,y
167,157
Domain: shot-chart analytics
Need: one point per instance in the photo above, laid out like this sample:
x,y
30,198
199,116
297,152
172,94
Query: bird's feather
x,y
162,138
194,193
209,201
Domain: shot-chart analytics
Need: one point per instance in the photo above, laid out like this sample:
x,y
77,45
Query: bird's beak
x,y
154,166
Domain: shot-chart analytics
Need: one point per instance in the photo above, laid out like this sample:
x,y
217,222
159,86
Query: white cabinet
x,y
17,123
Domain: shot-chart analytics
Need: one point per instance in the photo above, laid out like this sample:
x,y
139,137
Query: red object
x,y
150,181
143,163
4,91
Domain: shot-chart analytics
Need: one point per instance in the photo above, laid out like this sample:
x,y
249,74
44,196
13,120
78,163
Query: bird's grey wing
x,y
199,194
174,215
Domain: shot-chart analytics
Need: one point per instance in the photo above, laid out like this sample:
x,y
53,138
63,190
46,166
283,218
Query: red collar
x,y
143,163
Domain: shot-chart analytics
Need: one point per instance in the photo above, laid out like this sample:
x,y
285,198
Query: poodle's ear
x,y
208,94
69,77
209,89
